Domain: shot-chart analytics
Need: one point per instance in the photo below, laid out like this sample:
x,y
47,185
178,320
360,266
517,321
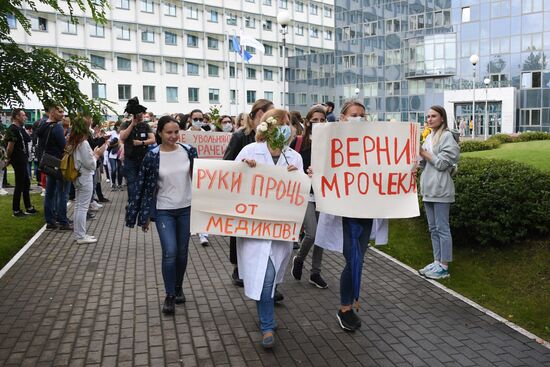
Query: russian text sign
x,y
232,199
364,169
209,144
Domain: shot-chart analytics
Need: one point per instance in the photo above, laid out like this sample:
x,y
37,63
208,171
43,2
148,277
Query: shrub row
x,y
496,140
499,202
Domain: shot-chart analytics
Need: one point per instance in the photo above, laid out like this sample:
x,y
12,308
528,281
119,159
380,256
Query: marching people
x,y
262,263
440,153
164,195
302,144
136,136
227,124
242,137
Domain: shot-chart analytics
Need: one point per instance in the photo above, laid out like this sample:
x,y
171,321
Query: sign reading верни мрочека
x,y
364,169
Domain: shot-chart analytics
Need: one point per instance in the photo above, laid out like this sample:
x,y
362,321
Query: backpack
x,y
67,166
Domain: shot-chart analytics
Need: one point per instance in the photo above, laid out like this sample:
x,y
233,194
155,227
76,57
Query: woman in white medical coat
x,y
262,263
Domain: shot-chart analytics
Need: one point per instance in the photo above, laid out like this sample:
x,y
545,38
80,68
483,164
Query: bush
x,y
499,202
533,135
475,145
503,138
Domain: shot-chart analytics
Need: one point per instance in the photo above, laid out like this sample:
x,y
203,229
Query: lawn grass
x,y
534,153
15,232
513,281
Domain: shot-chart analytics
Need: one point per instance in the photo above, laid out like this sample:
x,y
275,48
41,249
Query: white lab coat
x,y
330,233
252,253
379,233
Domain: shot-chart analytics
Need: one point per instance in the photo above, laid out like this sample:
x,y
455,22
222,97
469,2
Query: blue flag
x,y
236,46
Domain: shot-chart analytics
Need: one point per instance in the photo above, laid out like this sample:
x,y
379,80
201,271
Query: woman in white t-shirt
x,y
164,195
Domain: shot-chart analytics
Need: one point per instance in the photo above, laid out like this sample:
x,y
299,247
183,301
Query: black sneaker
x,y
348,320
104,200
278,297
169,306
318,281
235,277
31,211
65,227
51,226
297,266
180,297
296,246
18,214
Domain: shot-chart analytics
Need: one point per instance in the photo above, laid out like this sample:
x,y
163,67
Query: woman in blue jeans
x,y
164,194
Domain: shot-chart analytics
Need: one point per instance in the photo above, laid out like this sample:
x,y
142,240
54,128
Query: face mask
x,y
227,127
197,123
146,120
285,131
354,119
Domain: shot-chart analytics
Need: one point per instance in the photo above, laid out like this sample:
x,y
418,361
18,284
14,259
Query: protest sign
x,y
209,144
364,169
232,199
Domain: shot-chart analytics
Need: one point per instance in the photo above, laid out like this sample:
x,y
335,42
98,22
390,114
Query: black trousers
x,y
22,186
233,250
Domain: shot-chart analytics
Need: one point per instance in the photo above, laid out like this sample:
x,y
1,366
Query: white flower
x,y
263,127
271,120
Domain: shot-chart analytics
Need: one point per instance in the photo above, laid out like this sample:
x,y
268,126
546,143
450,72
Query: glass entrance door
x,y
467,126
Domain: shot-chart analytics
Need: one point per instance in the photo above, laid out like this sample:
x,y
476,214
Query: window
x,y
299,51
124,92
417,87
69,27
349,61
147,36
531,80
393,57
123,63
171,67
192,13
124,4
531,42
250,96
97,30
442,18
251,50
148,66
171,94
250,1
268,25
250,73
233,96
170,10
530,117
193,94
465,14
123,33
499,79
392,88
328,35
393,25
302,99
192,69
268,95
268,74
213,95
213,16
369,29
314,33
12,21
249,22
170,38
299,30
500,45
213,43
149,93
231,71
97,62
531,6
192,41
370,89
283,4
39,24
147,6
99,91
328,12
213,70
299,7
313,9
231,19
267,2
268,50
416,22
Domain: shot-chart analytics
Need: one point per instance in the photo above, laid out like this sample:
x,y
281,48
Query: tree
x,y
41,72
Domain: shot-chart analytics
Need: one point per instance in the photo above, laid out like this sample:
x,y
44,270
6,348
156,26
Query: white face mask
x,y
354,119
227,127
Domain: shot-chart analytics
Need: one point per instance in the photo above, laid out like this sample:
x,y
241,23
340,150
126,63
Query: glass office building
x,y
401,57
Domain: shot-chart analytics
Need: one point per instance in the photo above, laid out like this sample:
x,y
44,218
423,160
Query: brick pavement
x,y
64,304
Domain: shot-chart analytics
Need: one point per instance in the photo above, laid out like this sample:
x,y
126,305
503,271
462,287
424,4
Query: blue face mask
x,y
285,131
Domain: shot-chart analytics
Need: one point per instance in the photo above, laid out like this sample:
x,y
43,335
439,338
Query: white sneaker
x,y
203,237
43,193
95,206
107,180
86,240
3,192
428,268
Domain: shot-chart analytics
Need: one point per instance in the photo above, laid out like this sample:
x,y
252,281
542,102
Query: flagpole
x,y
229,74
244,76
236,76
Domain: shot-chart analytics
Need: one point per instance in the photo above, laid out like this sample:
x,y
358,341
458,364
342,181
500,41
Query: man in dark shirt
x,y
18,156
136,136
330,112
52,139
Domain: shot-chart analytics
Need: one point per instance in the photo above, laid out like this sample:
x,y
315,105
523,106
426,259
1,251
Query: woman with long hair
x,y
297,122
440,153
302,144
262,263
164,195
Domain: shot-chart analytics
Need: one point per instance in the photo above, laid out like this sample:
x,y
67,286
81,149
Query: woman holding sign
x,y
262,263
440,152
164,194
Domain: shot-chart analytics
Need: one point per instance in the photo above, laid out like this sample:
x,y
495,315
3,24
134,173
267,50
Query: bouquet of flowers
x,y
273,135
427,131
215,116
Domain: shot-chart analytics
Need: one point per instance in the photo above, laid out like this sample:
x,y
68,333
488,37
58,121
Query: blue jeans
x,y
55,200
346,282
116,172
173,229
131,171
266,304
440,231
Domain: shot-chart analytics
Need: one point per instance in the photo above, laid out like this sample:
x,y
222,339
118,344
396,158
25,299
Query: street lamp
x,y
283,18
486,81
357,90
474,59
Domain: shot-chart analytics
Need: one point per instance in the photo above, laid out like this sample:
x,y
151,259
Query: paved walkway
x,y
64,304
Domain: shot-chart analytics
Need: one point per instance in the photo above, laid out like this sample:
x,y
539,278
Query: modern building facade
x,y
402,56
176,55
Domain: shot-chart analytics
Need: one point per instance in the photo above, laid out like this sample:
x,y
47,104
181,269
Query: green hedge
x,y
499,202
496,140
476,145
532,135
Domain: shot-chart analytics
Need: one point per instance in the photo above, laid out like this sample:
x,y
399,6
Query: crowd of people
x,y
146,155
